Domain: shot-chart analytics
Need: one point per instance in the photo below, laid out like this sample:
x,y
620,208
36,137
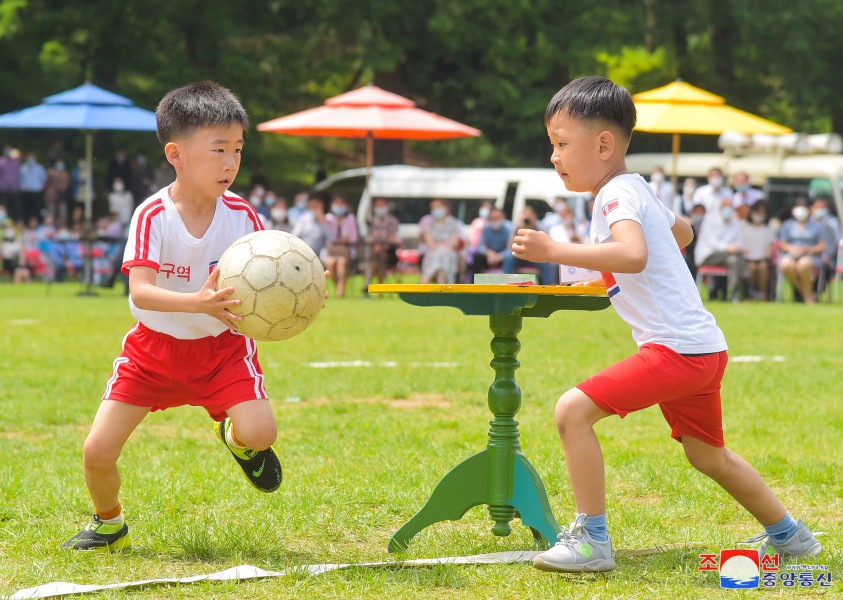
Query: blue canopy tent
x,y
87,108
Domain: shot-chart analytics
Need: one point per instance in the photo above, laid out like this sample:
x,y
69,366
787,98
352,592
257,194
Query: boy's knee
x,y
709,462
258,435
570,410
96,454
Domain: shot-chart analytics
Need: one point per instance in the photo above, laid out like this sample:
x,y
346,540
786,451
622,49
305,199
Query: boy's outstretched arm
x,y
626,254
148,296
682,232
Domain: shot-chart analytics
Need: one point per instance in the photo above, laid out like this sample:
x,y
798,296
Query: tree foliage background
x,y
492,64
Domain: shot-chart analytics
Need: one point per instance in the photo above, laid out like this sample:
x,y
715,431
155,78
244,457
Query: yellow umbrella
x,y
679,108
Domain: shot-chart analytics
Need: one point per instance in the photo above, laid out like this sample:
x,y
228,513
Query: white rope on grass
x,y
245,572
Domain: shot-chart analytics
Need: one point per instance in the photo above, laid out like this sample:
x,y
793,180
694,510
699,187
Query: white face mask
x,y
657,177
118,186
800,213
715,181
278,215
757,218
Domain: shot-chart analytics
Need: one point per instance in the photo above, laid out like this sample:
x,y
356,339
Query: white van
x,y
409,191
782,177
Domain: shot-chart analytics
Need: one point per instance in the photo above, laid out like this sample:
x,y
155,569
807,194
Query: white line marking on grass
x,y
751,358
389,364
23,322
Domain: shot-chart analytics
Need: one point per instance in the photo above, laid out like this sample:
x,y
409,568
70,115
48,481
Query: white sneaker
x,y
577,552
801,544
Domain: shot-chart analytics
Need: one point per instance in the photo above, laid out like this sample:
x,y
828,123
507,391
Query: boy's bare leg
x,y
576,415
254,424
737,477
113,424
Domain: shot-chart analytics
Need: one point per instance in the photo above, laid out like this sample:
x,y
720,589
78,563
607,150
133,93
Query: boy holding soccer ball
x,y
184,349
635,243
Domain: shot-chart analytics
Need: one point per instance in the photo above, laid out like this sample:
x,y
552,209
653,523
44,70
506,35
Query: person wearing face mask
x,y
10,180
493,244
33,176
801,249
270,199
683,203
721,244
383,242
745,195
713,194
830,226
298,208
342,242
278,217
440,233
120,202
758,237
662,188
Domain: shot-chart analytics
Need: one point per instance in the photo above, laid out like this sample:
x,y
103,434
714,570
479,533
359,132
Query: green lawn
x,y
363,447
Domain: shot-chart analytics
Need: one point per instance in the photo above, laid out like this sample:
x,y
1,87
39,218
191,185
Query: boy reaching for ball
x,y
635,243
184,349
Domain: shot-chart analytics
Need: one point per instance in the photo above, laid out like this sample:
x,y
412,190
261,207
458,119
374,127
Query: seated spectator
x,y
475,230
712,194
299,207
683,203
383,242
802,247
65,254
310,226
494,243
758,238
10,249
343,237
440,234
830,226
721,244
278,217
564,228
548,272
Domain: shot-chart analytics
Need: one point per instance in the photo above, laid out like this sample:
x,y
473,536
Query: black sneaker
x,y
100,537
261,467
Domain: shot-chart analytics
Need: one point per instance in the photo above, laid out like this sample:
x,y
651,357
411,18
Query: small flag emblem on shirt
x,y
610,206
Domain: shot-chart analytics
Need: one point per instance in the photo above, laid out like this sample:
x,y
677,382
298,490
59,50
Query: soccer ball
x,y
280,281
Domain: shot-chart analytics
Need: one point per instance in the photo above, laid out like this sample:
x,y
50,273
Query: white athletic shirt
x,y
661,304
158,239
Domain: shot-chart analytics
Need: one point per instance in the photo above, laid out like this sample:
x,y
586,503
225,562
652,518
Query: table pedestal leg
x,y
500,476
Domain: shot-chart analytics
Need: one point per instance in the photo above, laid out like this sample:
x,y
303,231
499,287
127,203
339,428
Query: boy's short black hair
x,y
594,99
200,104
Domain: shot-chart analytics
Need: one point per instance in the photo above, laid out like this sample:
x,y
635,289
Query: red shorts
x,y
686,388
160,371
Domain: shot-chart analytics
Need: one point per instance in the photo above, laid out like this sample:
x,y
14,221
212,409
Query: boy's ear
x,y
171,151
606,144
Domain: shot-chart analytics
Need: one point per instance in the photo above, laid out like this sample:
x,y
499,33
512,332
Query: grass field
x,y
363,447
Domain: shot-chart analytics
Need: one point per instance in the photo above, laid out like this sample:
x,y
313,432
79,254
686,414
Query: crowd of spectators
x,y
735,230
42,218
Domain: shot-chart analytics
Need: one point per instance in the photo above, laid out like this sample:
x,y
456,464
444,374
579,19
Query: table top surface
x,y
483,288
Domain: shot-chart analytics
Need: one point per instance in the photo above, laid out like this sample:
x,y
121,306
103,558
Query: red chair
x,y
708,273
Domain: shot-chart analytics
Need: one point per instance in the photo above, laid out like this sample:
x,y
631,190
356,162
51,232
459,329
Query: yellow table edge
x,y
487,288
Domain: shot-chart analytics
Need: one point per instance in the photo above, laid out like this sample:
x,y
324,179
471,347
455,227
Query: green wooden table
x,y
500,476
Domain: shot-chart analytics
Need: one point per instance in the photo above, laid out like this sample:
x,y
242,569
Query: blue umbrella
x,y
87,108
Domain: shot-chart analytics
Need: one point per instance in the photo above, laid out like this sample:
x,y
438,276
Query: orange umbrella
x,y
371,113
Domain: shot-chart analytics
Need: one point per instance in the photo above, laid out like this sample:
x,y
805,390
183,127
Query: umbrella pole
x,y
89,200
674,166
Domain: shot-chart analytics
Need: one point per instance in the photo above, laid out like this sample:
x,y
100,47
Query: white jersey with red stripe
x,y
661,303
159,240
